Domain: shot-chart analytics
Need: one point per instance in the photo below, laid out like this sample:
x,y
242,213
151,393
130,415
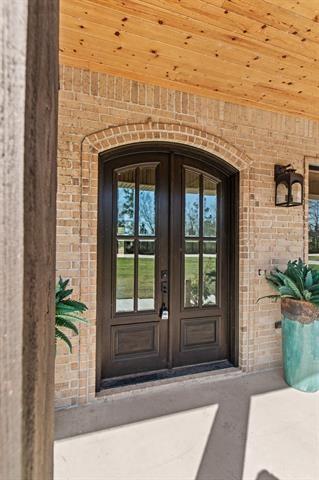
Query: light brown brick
x,y
252,140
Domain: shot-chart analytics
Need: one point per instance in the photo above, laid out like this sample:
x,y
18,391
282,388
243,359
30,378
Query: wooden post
x,y
28,137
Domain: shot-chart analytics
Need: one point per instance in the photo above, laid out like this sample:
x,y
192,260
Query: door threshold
x,y
159,377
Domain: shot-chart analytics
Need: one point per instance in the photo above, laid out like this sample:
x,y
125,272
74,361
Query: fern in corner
x,y
66,311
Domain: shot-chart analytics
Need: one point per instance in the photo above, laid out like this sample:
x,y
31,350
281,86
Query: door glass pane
x,y
146,275
191,204
209,208
209,273
313,217
191,269
147,201
125,276
125,202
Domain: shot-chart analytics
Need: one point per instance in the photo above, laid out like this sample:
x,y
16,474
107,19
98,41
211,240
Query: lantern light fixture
x,y
289,186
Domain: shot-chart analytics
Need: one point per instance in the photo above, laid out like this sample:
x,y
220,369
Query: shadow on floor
x,y
224,455
265,475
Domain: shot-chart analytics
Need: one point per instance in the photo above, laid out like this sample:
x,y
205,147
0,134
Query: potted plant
x,y
298,288
65,312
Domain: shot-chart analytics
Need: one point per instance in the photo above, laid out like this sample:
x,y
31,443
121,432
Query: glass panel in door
x,y
200,239
136,239
313,216
146,275
126,202
125,276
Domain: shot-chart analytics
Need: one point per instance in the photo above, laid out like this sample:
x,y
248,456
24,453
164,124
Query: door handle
x,y
164,312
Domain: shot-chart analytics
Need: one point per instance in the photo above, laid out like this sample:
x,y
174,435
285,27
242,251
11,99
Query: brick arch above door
x,y
109,138
156,131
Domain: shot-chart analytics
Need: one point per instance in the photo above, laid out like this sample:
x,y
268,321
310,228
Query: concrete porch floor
x,y
246,427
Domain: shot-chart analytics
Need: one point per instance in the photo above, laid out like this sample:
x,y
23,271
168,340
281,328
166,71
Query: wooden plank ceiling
x,y
255,52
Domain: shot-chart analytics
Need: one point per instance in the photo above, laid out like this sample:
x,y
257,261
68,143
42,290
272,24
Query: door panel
x,y
199,268
135,252
135,340
164,241
199,333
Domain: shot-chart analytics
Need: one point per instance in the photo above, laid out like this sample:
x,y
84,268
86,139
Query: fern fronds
x,y
65,312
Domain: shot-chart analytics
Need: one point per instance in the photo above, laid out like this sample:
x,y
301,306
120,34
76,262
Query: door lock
x,y
164,287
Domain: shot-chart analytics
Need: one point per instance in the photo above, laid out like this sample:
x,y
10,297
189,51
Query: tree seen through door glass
x,y
209,208
191,204
200,230
125,202
147,201
135,260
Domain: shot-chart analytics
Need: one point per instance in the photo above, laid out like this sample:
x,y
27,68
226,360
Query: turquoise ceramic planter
x,y
300,345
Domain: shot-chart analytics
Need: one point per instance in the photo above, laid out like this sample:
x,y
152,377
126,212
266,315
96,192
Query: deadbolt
x,y
164,287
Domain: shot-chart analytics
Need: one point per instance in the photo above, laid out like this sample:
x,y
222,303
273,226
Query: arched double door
x,y
167,250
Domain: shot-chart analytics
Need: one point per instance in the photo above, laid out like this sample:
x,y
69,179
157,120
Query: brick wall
x,y
99,111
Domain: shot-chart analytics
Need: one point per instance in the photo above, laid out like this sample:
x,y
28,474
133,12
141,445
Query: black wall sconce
x,y
289,186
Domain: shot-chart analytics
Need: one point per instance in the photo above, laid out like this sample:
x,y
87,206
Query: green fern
x,y
299,281
65,310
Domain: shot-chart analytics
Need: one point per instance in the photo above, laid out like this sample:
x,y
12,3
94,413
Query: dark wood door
x,y
163,263
134,240
199,265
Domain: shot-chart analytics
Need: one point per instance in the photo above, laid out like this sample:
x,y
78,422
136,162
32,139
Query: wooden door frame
x,y
207,159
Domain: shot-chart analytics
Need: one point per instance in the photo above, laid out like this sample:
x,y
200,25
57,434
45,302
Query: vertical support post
x,y
28,138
